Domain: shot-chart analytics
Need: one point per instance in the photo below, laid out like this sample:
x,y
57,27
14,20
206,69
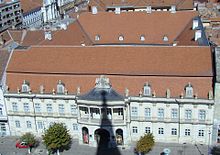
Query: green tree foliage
x,y
57,137
145,143
29,138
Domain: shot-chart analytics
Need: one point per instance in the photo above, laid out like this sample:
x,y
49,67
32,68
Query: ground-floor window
x,y
134,129
201,133
173,131
187,132
147,129
160,131
75,127
17,124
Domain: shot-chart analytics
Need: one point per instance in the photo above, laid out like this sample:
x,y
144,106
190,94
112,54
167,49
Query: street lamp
x,y
209,142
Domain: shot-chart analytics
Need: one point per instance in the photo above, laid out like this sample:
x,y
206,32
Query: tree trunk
x,y
58,152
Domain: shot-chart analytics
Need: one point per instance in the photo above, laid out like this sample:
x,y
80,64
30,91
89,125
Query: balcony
x,y
95,121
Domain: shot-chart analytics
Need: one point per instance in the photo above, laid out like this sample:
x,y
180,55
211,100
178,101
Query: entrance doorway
x,y
85,135
119,137
102,137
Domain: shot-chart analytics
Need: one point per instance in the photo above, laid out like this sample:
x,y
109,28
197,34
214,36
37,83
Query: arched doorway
x,y
102,137
119,137
85,135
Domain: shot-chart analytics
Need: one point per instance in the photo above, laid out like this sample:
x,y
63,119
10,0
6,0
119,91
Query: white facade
x,y
32,19
4,128
180,120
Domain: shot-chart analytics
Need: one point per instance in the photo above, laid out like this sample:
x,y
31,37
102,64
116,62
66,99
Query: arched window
x,y
147,89
189,90
60,87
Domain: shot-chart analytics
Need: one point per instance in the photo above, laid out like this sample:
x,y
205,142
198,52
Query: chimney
x,y
117,10
94,10
173,9
198,34
149,9
195,24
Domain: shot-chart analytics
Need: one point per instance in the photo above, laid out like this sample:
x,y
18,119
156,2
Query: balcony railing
x,y
101,121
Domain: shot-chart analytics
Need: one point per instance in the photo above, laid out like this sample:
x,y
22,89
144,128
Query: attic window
x,y
121,38
165,38
25,88
147,89
142,38
189,90
60,87
97,37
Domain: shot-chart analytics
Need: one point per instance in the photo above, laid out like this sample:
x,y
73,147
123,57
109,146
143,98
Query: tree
x,y
145,143
57,138
30,139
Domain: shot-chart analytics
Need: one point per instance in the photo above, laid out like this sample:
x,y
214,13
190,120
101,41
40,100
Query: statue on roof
x,y
102,82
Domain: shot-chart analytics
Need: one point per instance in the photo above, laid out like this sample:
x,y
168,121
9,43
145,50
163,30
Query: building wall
x,y
41,120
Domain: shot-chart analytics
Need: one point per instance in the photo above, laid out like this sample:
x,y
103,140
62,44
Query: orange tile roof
x,y
28,5
169,61
134,24
127,67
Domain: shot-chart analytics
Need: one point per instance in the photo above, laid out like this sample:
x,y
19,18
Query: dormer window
x,y
189,91
25,88
97,37
142,38
165,38
121,38
147,89
60,87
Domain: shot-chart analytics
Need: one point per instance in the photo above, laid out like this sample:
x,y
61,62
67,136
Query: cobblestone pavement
x,y
7,147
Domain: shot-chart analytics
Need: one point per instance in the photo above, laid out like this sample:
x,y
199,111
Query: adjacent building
x,y
10,14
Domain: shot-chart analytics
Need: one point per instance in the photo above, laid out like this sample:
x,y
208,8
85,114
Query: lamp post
x,y
209,142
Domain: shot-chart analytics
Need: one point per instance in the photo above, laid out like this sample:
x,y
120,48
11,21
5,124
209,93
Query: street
x,y
7,147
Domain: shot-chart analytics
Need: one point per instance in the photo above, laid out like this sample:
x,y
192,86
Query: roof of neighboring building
x,y
97,94
104,4
4,56
127,67
132,25
28,5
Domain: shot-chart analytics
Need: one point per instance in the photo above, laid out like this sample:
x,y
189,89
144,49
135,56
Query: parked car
x,y
21,145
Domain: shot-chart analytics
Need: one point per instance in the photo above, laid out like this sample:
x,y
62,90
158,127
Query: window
x,y
189,90
134,129
119,111
201,133
14,106
40,125
165,38
160,131
121,38
75,127
174,113
60,87
61,108
25,87
49,108
188,114
187,132
173,131
134,111
160,113
73,109
142,38
1,111
97,37
37,108
26,107
202,114
17,124
147,113
147,89
28,124
147,129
